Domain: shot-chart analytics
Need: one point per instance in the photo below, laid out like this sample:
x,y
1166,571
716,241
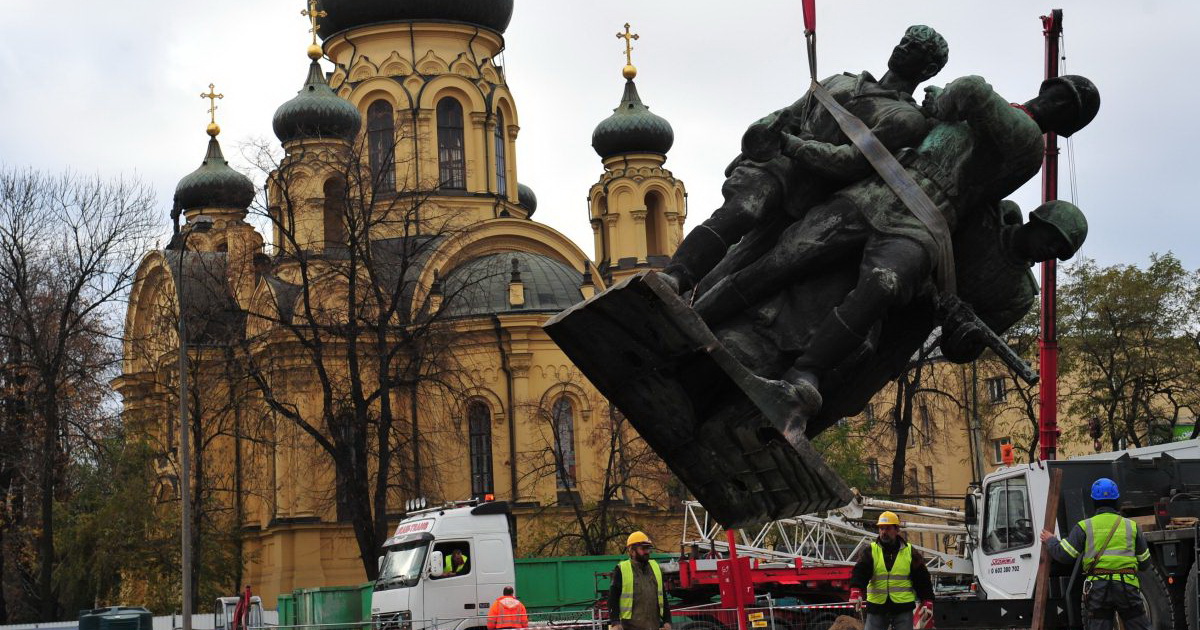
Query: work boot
x,y
699,252
788,406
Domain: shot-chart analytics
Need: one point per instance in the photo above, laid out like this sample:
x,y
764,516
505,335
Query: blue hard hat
x,y
1105,488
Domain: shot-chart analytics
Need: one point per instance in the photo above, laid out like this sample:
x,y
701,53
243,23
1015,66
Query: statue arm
x,y
963,342
844,163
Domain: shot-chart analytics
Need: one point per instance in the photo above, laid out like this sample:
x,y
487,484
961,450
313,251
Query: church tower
x,y
637,208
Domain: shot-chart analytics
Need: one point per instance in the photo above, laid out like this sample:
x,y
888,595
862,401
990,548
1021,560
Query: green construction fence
x,y
543,585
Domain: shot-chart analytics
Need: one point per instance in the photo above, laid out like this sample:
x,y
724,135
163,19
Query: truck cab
x,y
414,589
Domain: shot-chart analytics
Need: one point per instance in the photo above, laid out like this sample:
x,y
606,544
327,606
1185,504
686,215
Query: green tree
x,y
1129,344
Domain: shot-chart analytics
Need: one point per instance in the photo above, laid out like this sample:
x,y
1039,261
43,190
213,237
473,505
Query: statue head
x,y
921,54
1065,104
1056,229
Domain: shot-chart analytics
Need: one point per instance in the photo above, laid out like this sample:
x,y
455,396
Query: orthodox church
x,y
402,257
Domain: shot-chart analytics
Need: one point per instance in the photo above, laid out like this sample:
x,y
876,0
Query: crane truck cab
x,y
414,590
1007,512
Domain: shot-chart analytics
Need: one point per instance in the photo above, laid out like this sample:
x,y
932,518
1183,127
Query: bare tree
x,y
69,248
598,510
374,332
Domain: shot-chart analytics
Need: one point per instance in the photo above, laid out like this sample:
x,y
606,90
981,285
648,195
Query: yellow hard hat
x,y
889,518
638,538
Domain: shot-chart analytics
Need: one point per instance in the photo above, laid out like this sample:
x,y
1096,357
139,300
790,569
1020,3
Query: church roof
x,y
480,286
214,184
632,128
211,315
346,14
316,112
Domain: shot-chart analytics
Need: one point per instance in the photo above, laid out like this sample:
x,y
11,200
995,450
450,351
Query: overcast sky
x,y
113,87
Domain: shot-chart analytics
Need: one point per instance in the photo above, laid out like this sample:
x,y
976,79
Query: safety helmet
x,y
1087,100
889,518
638,538
1068,220
1104,489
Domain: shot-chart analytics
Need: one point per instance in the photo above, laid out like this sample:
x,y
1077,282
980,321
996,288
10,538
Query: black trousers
x,y
1105,598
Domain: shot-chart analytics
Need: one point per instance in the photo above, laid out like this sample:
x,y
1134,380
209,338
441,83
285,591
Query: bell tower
x,y
637,208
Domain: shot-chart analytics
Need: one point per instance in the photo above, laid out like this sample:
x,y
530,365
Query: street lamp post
x,y
200,224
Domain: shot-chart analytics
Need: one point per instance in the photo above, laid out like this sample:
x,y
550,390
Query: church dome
x,y
346,14
526,198
214,184
632,128
480,285
316,112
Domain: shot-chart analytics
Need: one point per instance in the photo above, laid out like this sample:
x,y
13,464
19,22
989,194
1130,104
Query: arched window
x,y
335,213
563,419
452,158
381,145
479,421
501,156
654,227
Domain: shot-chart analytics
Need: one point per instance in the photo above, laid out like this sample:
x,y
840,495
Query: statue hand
x,y
793,146
763,141
930,104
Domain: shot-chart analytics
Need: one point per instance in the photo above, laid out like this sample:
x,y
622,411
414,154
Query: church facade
x,y
381,340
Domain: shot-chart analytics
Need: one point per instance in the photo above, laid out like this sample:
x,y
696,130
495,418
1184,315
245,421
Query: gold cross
x,y
628,43
312,14
212,97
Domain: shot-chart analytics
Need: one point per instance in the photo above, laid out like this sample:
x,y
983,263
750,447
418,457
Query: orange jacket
x,y
507,612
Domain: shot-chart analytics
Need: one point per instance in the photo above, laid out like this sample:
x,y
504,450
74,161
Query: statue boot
x,y
829,345
699,252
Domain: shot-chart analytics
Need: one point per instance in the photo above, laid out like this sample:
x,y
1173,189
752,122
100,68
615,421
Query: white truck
x,y
1159,487
413,591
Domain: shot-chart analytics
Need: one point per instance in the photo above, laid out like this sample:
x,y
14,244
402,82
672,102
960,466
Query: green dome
x,y
316,112
480,285
526,198
632,129
214,184
346,14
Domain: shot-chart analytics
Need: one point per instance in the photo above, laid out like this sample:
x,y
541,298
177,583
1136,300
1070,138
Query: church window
x,y
562,418
501,157
452,159
479,419
335,213
381,145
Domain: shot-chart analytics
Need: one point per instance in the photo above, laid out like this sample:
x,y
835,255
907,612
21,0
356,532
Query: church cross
x,y
312,13
628,37
212,97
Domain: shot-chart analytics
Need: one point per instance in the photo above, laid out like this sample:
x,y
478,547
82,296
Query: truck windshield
x,y
402,565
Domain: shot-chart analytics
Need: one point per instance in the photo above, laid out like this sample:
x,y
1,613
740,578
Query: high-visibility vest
x,y
450,562
894,584
1118,559
507,612
626,601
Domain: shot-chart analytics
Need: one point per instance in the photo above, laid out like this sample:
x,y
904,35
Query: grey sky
x,y
114,87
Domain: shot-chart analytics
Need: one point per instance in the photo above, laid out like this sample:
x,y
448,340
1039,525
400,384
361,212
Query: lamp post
x,y
199,224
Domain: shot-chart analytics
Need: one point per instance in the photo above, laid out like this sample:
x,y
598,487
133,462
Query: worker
x,y
456,563
637,599
507,612
895,578
1113,551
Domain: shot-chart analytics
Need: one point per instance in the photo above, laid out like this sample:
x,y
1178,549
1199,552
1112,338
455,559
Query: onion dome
x,y
526,199
632,128
480,286
214,184
346,14
316,112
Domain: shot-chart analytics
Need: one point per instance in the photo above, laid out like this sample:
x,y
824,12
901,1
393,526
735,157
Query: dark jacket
x,y
614,600
864,568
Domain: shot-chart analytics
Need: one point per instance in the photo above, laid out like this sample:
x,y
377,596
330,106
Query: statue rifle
x,y
954,309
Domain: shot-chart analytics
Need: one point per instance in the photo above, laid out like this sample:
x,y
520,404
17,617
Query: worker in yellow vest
x,y
637,599
895,578
1113,551
456,563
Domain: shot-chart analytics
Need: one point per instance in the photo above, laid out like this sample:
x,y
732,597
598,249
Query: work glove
x,y
856,599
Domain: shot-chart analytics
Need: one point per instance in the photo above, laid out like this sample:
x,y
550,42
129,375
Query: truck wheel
x,y
1189,599
1159,604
